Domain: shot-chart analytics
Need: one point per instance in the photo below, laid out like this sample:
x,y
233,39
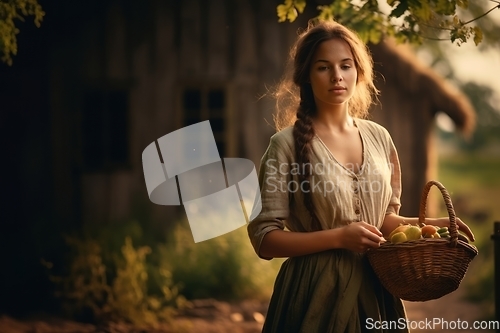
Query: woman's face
x,y
333,73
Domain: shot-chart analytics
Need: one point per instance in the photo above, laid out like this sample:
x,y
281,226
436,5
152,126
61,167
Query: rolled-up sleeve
x,y
395,201
274,175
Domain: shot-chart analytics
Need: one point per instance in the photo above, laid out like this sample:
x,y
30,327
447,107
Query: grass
x,y
473,181
470,170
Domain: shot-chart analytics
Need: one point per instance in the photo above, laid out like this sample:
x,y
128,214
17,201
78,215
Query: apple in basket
x,y
413,233
405,232
398,237
400,228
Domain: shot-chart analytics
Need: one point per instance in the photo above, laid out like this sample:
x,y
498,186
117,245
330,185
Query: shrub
x,y
91,291
225,267
108,278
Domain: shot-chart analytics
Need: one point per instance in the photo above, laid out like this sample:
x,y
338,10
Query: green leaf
x,y
421,10
10,11
370,5
445,7
292,14
325,13
375,36
282,13
300,5
478,35
290,10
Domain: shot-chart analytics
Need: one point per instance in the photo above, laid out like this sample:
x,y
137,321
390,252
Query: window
x,y
105,130
208,103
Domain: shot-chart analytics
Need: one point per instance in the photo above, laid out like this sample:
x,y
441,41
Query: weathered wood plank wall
x,y
154,50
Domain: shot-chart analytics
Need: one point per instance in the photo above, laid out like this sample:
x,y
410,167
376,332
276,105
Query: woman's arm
x,y
357,237
391,221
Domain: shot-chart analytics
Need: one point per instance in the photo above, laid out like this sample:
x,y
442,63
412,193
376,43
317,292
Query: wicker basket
x,y
427,268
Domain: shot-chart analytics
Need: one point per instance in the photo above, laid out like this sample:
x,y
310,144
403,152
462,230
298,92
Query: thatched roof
x,y
399,64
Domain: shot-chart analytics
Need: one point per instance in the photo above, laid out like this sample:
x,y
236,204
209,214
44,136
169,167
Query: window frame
x,y
230,139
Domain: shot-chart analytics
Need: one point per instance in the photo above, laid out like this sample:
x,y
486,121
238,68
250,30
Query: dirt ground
x,y
205,316
449,310
211,316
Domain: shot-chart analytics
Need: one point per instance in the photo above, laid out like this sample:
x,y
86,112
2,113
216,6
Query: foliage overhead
x,y
407,20
10,11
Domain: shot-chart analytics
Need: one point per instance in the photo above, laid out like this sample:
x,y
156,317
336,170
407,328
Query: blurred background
x,y
101,80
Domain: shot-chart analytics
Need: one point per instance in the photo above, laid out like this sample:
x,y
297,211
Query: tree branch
x,y
434,27
465,23
482,15
434,38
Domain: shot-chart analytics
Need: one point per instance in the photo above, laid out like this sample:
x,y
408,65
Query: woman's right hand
x,y
357,237
360,236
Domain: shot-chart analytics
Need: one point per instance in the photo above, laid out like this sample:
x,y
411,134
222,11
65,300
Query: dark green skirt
x,y
332,292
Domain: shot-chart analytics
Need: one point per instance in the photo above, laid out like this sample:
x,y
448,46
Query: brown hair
x,y
295,99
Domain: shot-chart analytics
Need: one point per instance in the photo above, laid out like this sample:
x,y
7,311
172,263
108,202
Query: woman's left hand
x,y
445,222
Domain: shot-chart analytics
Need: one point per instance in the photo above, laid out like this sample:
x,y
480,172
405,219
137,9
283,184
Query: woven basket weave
x,y
427,268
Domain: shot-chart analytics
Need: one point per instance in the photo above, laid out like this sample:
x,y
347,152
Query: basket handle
x,y
449,207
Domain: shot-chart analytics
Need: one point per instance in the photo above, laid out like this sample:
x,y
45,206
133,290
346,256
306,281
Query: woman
x,y
333,180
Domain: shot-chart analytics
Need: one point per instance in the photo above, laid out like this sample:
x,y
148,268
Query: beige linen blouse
x,y
340,194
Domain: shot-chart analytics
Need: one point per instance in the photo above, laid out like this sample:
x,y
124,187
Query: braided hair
x,y
295,98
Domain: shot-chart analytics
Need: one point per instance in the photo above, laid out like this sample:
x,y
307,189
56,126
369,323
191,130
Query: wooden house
x,y
121,74
136,71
